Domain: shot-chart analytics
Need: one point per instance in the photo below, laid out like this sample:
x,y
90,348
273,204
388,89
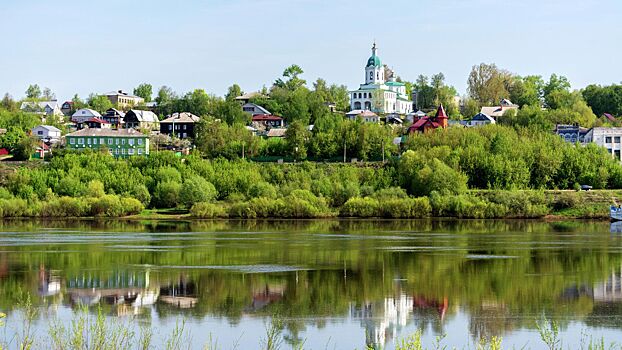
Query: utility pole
x,y
242,150
344,150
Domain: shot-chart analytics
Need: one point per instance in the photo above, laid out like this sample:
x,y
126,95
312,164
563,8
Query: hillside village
x,y
126,124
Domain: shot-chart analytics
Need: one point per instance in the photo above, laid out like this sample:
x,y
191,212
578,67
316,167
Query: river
x,y
327,284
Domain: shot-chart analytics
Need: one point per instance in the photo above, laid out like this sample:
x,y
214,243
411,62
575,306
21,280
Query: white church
x,y
380,94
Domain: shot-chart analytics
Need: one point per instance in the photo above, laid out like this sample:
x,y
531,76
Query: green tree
x,y
100,103
488,84
33,92
196,189
145,91
296,138
232,92
166,194
48,95
293,81
8,103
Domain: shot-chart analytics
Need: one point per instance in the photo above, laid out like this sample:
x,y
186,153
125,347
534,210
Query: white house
x,y
380,94
84,114
44,108
254,109
498,111
480,119
46,133
610,138
365,115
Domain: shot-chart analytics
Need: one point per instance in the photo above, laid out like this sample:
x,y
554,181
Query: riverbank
x,y
302,204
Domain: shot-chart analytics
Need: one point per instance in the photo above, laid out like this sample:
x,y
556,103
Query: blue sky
x,y
77,46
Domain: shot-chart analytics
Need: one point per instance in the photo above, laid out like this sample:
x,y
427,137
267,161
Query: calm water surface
x,y
334,284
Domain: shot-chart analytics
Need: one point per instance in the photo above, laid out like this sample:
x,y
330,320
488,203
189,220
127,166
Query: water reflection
x,y
387,278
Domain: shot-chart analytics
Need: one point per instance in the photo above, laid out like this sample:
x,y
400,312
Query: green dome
x,y
374,61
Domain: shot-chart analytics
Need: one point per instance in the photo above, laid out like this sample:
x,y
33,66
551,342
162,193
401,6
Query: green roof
x,y
394,83
374,61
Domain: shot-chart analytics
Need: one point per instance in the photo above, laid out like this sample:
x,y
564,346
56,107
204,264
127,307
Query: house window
x,y
123,141
116,151
80,141
122,150
94,141
140,141
130,142
608,139
130,151
72,141
39,132
616,139
170,127
184,127
88,141
110,141
116,141
140,151
102,141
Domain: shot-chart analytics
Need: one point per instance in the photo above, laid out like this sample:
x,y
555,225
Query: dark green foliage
x,y
196,189
166,194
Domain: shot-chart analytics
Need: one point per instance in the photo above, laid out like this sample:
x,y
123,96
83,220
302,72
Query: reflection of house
x,y
46,133
123,99
498,111
264,121
181,294
266,296
364,115
610,290
138,119
180,125
254,109
426,123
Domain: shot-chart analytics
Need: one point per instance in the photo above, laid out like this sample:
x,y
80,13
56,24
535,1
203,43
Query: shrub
x,y
13,208
108,205
131,206
566,200
95,188
166,194
390,193
405,207
207,211
360,207
196,189
141,193
65,207
262,189
70,186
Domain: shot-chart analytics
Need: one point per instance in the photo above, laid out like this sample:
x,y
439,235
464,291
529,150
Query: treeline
x,y
435,176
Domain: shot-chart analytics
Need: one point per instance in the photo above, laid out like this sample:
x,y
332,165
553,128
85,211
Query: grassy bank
x,y
391,203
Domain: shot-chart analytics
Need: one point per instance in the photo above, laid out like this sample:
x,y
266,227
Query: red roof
x,y
440,112
3,152
265,117
610,117
97,120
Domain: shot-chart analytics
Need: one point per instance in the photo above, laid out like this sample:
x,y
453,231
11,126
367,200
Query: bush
x,y
390,193
405,207
196,189
566,200
360,207
131,206
262,189
207,211
13,208
166,194
95,188
141,193
65,207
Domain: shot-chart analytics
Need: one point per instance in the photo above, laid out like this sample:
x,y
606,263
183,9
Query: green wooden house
x,y
121,143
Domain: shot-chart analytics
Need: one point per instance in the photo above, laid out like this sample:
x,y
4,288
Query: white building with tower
x,y
380,93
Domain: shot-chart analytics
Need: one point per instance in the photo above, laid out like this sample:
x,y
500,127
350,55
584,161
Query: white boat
x,y
616,213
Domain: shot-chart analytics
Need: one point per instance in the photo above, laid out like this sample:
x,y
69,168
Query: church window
x,y
371,75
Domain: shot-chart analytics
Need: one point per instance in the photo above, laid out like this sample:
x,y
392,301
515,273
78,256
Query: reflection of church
x,y
381,93
383,320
